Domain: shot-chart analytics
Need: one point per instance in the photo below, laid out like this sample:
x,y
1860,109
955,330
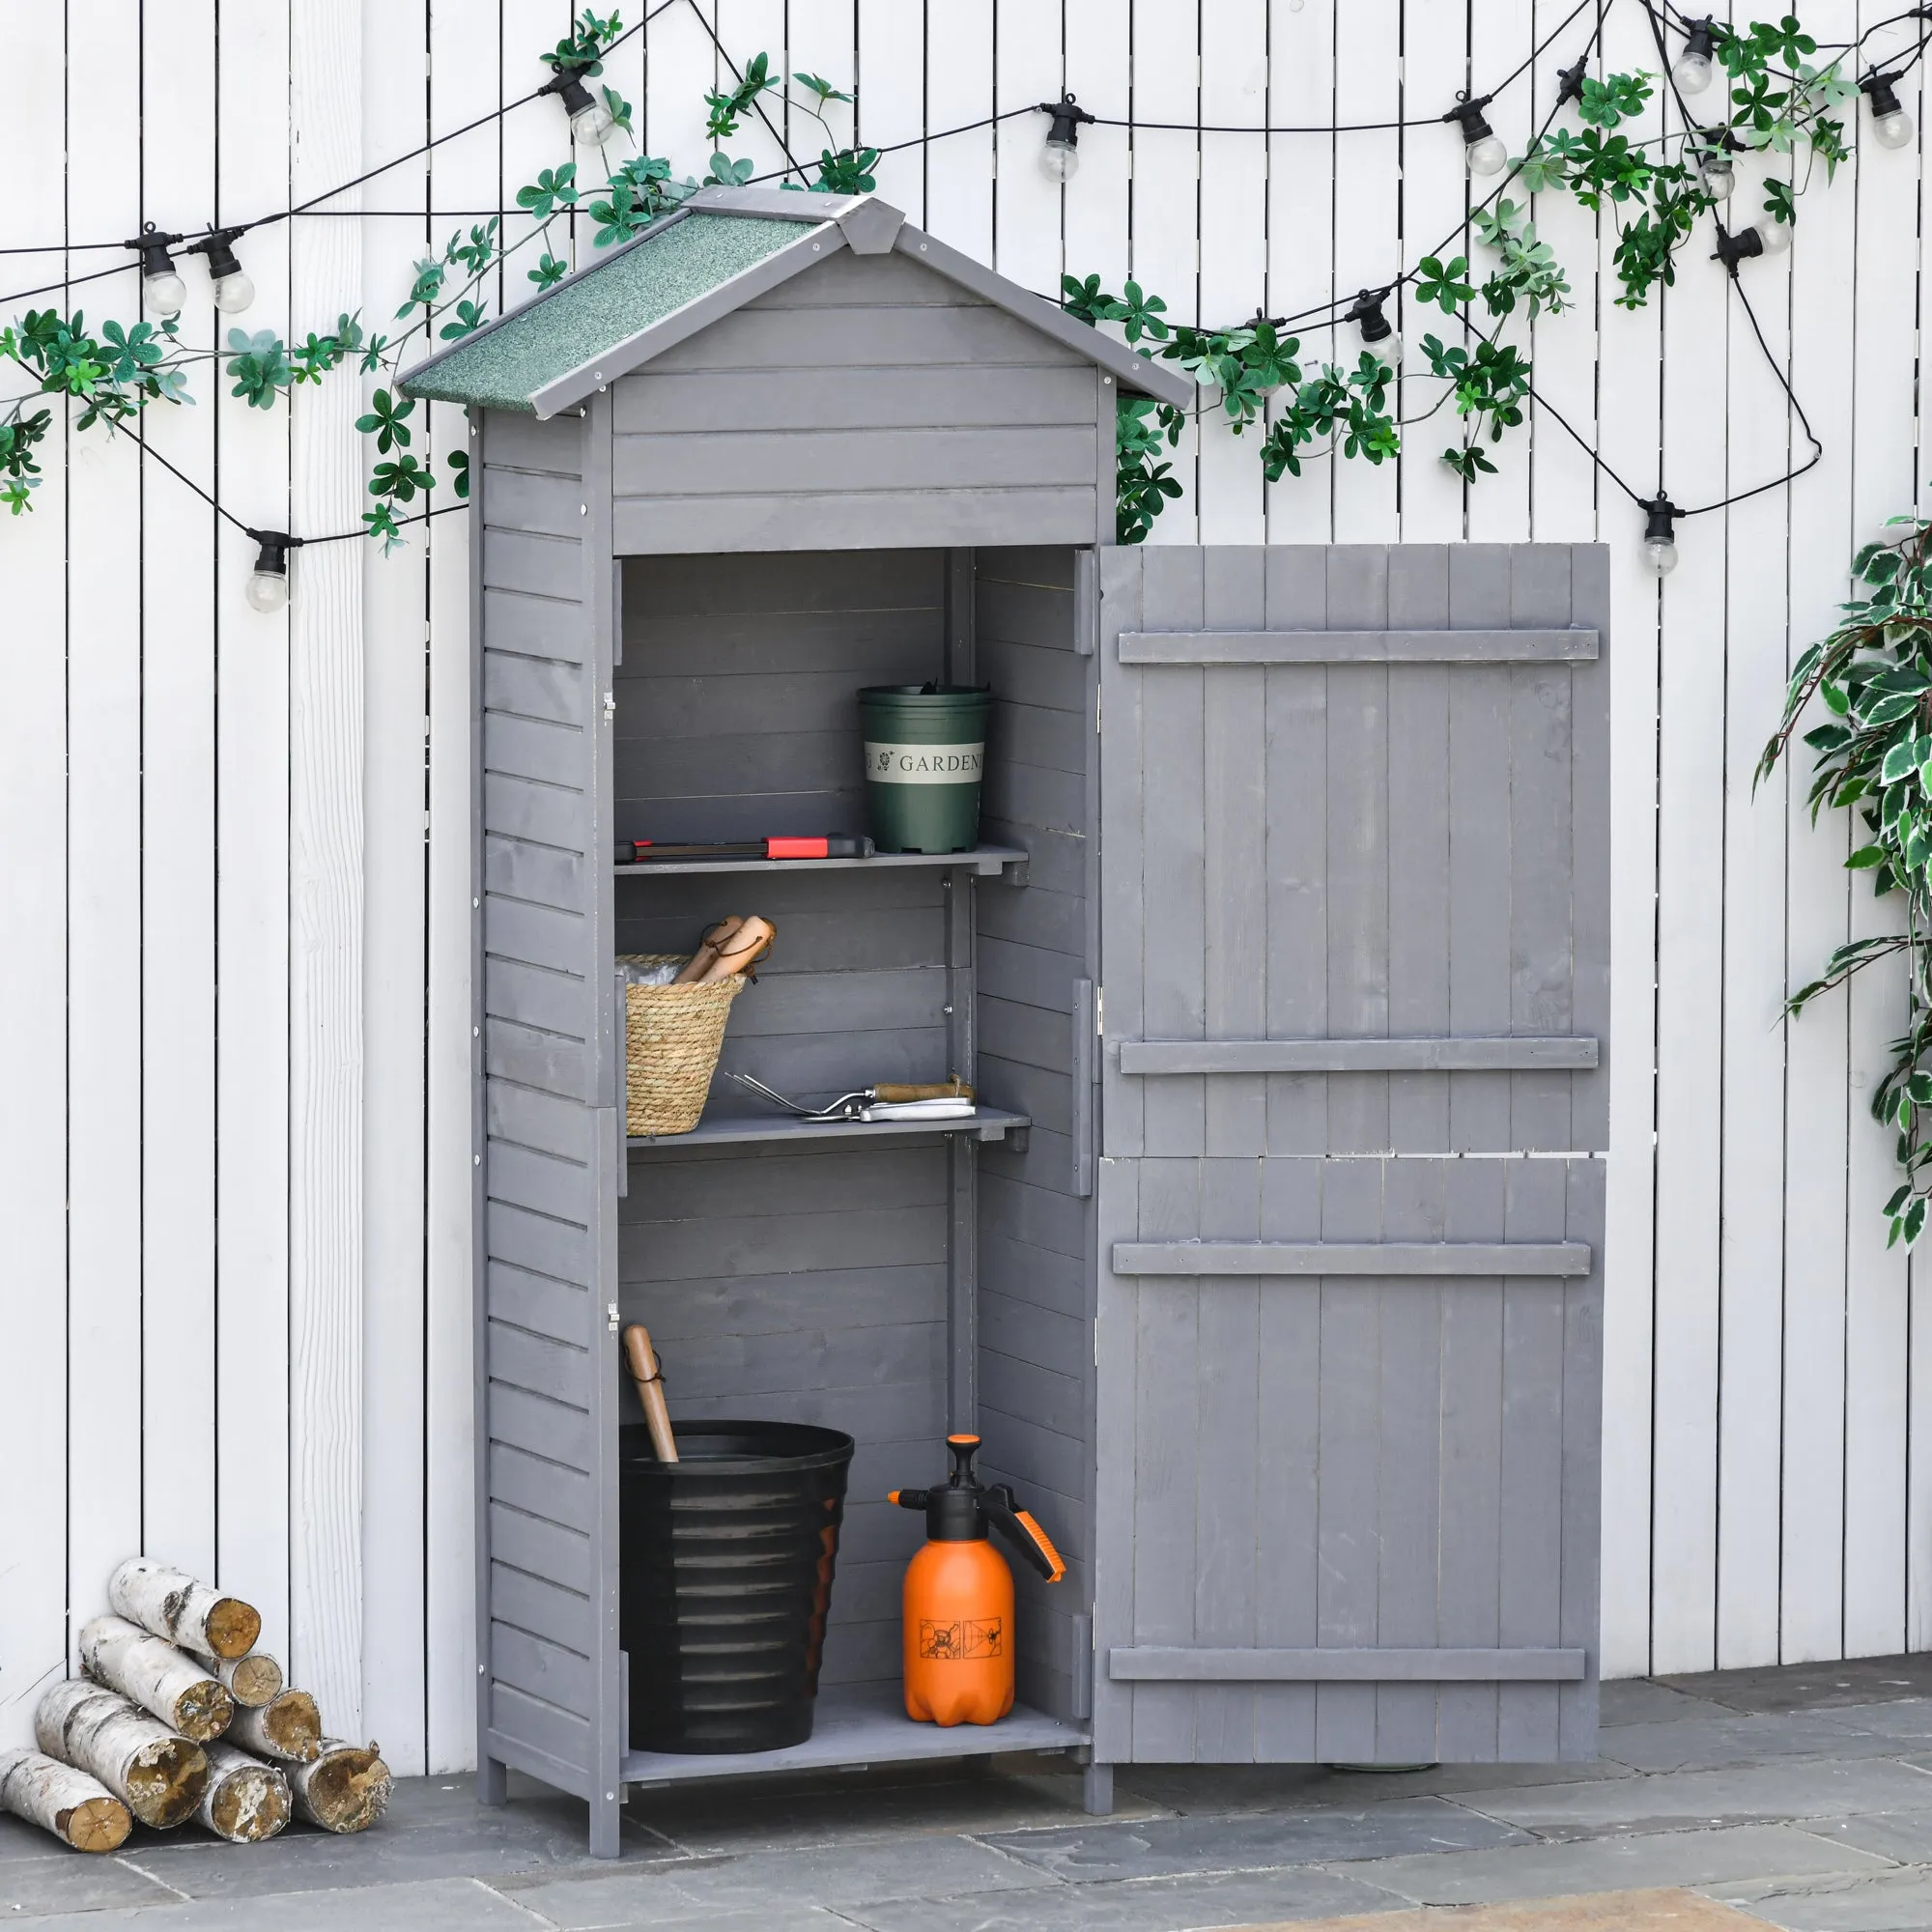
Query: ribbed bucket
x,y
727,1580
925,756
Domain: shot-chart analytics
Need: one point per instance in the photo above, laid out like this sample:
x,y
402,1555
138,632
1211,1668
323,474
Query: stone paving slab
x,y
1165,1847
1138,1905
61,1882
1650,1911
1685,1799
840,1877
1909,1720
1899,1901
1189,1788
443,1905
1627,1861
1903,1835
1643,1701
1720,1740
1811,1686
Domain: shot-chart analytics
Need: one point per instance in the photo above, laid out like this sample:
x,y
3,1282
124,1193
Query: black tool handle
x,y
1023,1532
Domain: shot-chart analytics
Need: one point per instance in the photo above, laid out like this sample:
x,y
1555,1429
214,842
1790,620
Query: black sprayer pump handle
x,y
1020,1529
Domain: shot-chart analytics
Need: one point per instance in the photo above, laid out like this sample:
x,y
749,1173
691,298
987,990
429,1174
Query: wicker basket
x,y
671,1038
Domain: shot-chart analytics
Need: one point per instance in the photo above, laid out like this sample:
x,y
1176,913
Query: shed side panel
x,y
1035,1271
868,403
540,980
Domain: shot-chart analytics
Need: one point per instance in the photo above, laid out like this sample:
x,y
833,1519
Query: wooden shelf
x,y
987,862
862,1727
985,1123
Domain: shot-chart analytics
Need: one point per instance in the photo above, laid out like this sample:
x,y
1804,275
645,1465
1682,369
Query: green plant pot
x,y
926,753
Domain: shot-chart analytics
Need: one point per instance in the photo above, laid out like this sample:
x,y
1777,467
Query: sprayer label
x,y
925,764
955,1643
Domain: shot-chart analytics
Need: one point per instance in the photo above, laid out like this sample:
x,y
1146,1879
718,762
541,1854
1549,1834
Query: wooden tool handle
x,y
698,966
649,1378
748,944
943,1090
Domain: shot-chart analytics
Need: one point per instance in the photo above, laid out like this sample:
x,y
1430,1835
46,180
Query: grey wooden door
x,y
1355,976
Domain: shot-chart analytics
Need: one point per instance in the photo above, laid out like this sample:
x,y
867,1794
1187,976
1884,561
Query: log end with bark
x,y
77,1808
288,1726
157,1774
253,1680
247,1800
150,1671
171,1604
345,1789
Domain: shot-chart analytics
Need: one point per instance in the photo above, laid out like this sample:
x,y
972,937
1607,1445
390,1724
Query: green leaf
x,y
1865,858
1443,285
386,421
459,461
550,191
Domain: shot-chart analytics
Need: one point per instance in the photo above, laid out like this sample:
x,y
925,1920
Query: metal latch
x,y
609,706
610,1310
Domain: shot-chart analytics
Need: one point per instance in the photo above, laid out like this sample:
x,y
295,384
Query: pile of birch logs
x,y
180,1717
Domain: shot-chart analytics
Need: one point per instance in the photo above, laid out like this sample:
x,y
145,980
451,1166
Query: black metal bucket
x,y
727,1578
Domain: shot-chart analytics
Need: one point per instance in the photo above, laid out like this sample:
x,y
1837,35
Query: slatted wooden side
x,y
926,414
546,1357
1036,1019
1374,848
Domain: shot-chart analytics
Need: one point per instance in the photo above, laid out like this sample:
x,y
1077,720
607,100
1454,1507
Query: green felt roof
x,y
505,366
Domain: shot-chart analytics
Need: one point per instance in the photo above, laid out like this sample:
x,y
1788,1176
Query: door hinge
x,y
1099,698
1099,1012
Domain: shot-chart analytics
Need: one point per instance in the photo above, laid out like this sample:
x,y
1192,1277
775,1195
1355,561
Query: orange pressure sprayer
x,y
959,1595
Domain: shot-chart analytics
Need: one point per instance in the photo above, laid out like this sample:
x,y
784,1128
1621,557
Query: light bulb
x,y
268,591
233,290
1718,176
1692,73
590,125
1892,130
233,293
1059,157
164,293
1774,238
1378,334
1659,535
1488,157
268,588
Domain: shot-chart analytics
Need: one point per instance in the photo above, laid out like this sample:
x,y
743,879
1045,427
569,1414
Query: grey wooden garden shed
x,y
1271,1265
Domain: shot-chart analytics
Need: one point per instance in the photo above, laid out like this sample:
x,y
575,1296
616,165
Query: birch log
x,y
247,1800
252,1680
79,1810
286,1726
345,1789
157,1775
171,1604
164,1681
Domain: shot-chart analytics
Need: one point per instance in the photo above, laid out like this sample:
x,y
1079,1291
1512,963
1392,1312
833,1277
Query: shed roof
x,y
700,263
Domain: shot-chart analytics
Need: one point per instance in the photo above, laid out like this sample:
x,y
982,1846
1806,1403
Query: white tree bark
x,y
157,1775
345,1789
174,1687
171,1604
79,1810
247,1800
288,1726
252,1680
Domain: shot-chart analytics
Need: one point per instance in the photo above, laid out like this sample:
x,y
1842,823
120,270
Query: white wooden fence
x,y
233,1137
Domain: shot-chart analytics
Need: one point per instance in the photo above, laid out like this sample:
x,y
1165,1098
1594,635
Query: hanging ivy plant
x,y
1874,755
1653,191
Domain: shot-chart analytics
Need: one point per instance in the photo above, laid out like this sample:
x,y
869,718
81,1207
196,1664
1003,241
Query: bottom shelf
x,y
861,1727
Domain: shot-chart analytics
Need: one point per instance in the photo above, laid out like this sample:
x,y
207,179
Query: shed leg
x,y
1097,1796
493,1783
607,1822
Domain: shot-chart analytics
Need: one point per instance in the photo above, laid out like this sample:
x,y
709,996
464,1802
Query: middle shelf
x,y
984,1123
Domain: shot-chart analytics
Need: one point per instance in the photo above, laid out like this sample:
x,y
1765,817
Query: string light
x,y
1769,238
1378,332
1660,534
233,290
1692,73
1486,155
1892,124
267,586
161,288
1060,159
1714,164
591,121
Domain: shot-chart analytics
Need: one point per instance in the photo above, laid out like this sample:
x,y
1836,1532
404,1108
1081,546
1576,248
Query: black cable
x,y
757,102
917,141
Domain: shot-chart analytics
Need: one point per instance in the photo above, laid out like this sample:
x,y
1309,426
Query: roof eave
x,y
1134,372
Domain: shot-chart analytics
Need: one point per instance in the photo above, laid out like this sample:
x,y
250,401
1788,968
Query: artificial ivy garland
x,y
115,374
